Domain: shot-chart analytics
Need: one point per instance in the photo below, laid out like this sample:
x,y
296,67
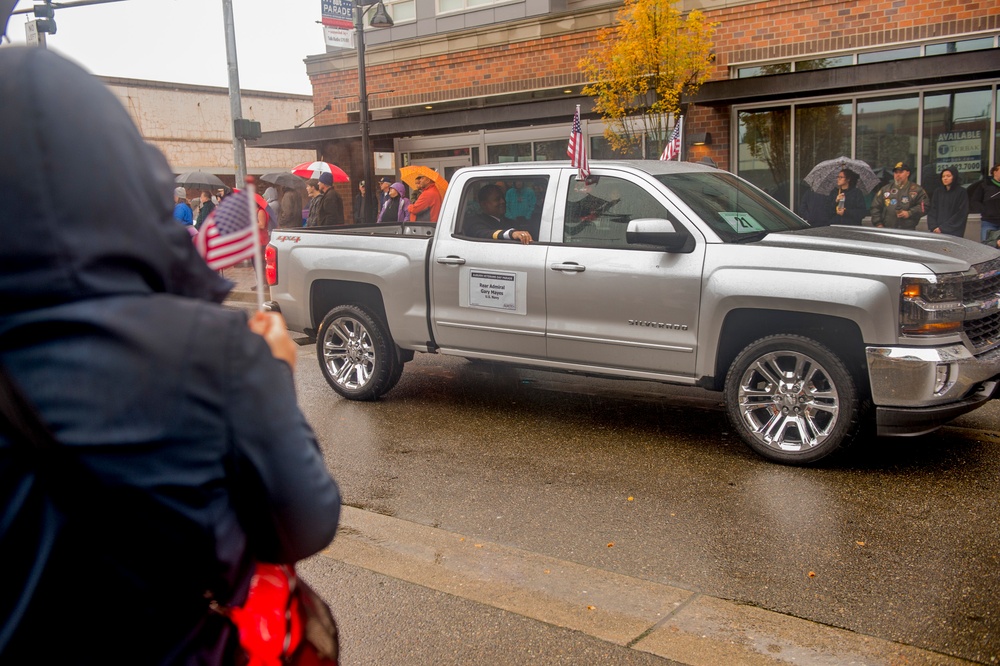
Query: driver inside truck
x,y
490,221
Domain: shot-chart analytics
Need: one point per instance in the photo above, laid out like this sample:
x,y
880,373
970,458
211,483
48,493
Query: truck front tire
x,y
356,353
792,399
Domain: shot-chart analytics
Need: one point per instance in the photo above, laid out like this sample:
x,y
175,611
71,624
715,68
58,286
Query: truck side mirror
x,y
660,232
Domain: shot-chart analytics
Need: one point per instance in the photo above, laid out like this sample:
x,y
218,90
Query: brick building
x,y
192,125
459,82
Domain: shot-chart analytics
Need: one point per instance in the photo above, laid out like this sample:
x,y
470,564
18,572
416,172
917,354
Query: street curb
x,y
669,622
243,296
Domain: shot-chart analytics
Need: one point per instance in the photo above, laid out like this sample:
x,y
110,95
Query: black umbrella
x,y
200,180
823,177
284,179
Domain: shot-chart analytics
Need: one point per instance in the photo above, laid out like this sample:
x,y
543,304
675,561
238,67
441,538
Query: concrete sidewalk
x,y
243,275
680,626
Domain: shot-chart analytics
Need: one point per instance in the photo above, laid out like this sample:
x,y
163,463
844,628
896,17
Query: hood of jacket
x,y
400,188
948,195
87,204
956,179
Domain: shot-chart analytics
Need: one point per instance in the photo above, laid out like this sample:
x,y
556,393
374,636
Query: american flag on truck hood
x,y
229,234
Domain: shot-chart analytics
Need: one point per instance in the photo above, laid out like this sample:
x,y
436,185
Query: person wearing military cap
x,y
899,204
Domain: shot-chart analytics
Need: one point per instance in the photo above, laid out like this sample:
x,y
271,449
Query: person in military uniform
x,y
899,204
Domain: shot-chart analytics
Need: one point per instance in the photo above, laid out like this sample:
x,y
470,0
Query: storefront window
x,y
889,54
509,152
600,149
551,150
822,132
764,70
960,46
824,63
956,134
996,136
887,133
655,146
763,151
415,157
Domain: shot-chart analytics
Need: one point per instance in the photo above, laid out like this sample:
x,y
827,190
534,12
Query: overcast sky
x,y
184,41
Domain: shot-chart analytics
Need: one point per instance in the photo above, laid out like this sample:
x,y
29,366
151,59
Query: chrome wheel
x,y
348,353
788,401
792,399
356,353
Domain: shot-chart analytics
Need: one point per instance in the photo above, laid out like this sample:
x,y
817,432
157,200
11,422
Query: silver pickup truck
x,y
667,272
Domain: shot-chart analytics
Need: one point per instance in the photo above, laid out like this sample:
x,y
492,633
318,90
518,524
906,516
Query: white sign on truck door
x,y
493,290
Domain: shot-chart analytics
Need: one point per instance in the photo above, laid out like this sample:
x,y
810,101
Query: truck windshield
x,y
735,210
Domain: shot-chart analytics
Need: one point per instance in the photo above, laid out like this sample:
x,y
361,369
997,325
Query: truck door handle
x,y
450,261
569,267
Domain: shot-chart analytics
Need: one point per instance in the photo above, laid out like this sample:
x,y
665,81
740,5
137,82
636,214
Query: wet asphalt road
x,y
896,541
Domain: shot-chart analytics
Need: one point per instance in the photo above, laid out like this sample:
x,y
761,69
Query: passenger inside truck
x,y
471,209
598,212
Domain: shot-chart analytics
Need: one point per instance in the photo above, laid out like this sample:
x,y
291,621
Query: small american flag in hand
x,y
227,237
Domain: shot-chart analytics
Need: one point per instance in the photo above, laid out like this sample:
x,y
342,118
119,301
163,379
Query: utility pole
x,y
235,102
366,148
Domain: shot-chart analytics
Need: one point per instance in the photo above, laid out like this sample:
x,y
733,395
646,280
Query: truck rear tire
x,y
792,400
356,353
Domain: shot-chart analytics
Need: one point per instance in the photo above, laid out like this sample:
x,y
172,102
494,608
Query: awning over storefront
x,y
541,112
929,70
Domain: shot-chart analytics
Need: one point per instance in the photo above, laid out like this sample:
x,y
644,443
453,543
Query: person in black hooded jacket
x,y
183,414
949,209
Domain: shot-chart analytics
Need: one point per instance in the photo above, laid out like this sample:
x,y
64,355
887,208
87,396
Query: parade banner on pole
x,y
338,13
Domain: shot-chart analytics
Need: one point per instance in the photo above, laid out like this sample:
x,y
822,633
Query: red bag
x,y
283,621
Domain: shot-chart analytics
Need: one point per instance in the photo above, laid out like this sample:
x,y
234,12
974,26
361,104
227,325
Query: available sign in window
x,y
961,150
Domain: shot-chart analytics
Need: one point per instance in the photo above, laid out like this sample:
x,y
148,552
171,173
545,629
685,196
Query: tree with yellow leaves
x,y
641,67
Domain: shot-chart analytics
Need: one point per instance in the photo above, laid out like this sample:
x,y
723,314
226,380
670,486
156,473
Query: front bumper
x,y
917,389
910,422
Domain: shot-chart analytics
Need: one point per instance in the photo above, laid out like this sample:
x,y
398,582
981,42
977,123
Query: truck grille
x,y
982,288
984,332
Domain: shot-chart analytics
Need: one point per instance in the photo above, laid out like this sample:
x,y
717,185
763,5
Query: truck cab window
x,y
521,208
598,215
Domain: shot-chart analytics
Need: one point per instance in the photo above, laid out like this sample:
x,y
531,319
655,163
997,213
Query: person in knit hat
x,y
330,207
182,211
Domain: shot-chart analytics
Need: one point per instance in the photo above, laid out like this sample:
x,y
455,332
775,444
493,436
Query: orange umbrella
x,y
408,175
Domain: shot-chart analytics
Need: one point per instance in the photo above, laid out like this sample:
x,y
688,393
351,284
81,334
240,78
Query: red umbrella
x,y
314,169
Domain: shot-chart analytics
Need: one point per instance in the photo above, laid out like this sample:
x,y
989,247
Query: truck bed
x,y
316,262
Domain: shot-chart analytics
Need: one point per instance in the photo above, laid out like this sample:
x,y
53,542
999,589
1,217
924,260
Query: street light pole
x,y
366,149
235,102
381,19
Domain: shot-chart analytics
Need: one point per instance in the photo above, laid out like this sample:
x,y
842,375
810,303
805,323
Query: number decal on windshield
x,y
741,223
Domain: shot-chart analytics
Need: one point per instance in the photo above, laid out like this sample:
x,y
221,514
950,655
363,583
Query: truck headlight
x,y
931,306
